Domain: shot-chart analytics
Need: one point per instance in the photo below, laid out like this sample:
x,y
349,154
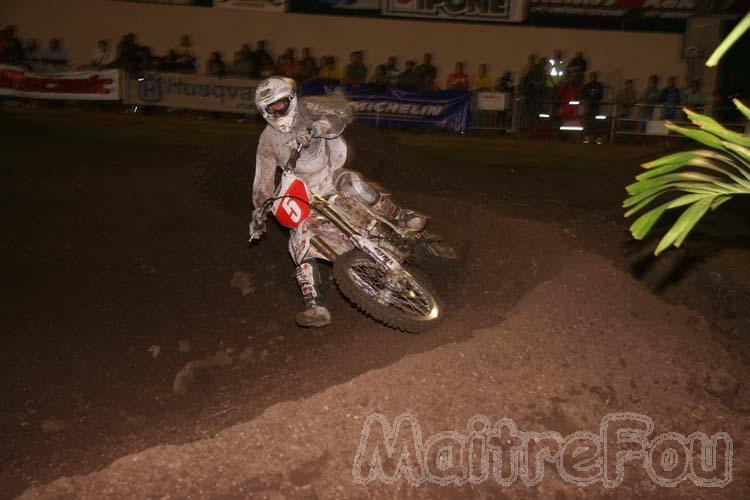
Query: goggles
x,y
279,108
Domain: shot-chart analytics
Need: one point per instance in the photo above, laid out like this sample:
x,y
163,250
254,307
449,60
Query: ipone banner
x,y
498,11
439,109
176,90
73,85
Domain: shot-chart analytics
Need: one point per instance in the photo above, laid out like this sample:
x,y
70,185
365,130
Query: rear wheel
x,y
400,300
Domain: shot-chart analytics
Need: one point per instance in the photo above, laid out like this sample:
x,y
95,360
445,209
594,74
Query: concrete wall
x,y
615,55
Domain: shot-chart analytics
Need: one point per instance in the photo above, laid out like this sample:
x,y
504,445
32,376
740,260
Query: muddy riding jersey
x,y
317,163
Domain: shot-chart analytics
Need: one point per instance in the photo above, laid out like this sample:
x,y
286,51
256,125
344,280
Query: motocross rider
x,y
317,127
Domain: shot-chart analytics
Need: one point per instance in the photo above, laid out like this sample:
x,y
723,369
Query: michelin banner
x,y
71,85
440,109
258,5
493,11
207,93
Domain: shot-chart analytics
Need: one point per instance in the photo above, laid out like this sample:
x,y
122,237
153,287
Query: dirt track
x,y
115,248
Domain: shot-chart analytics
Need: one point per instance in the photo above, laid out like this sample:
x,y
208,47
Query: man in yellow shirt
x,y
483,82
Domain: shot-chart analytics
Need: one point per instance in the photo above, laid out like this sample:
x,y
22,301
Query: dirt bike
x,y
367,250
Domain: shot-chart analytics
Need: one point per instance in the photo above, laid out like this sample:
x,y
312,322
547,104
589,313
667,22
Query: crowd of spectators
x,y
541,82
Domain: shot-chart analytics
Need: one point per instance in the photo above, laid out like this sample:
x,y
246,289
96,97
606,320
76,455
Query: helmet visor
x,y
279,108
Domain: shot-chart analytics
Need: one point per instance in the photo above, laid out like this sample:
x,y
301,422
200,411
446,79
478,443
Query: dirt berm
x,y
587,342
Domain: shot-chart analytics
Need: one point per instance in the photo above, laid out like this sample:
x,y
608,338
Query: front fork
x,y
384,259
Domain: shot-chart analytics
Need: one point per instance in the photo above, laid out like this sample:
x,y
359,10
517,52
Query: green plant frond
x,y
725,44
676,161
684,224
742,154
688,187
719,201
680,157
742,108
699,135
729,188
643,185
643,225
712,126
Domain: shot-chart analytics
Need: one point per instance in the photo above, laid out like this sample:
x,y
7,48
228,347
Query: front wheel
x,y
401,301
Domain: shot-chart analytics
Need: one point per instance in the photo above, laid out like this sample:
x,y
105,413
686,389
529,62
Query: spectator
x,y
591,96
329,70
670,98
556,72
246,52
407,79
626,99
458,80
380,78
215,66
428,83
148,62
650,97
483,82
169,61
391,71
55,56
127,53
263,61
184,52
505,83
308,66
569,91
285,61
694,98
32,54
425,70
241,65
102,56
11,50
355,72
533,88
527,68
578,62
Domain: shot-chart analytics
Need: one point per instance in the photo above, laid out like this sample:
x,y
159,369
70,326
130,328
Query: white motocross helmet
x,y
276,100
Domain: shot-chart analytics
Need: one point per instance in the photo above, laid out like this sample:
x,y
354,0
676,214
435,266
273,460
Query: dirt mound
x,y
587,342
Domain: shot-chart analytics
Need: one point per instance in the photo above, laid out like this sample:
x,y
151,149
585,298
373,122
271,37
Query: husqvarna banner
x,y
440,109
208,93
498,11
73,85
260,5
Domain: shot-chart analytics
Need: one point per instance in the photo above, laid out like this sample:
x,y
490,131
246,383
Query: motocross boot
x,y
316,313
403,217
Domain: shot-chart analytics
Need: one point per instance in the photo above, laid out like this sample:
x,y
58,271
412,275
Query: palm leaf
x,y
733,36
702,192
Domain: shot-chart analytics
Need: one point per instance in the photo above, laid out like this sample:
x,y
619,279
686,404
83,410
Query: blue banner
x,y
392,107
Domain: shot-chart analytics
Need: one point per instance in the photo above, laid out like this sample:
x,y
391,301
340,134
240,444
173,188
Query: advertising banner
x,y
364,7
632,9
494,11
208,93
440,109
194,3
258,5
73,85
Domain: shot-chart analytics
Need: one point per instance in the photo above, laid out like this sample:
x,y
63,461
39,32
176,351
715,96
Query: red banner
x,y
77,85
